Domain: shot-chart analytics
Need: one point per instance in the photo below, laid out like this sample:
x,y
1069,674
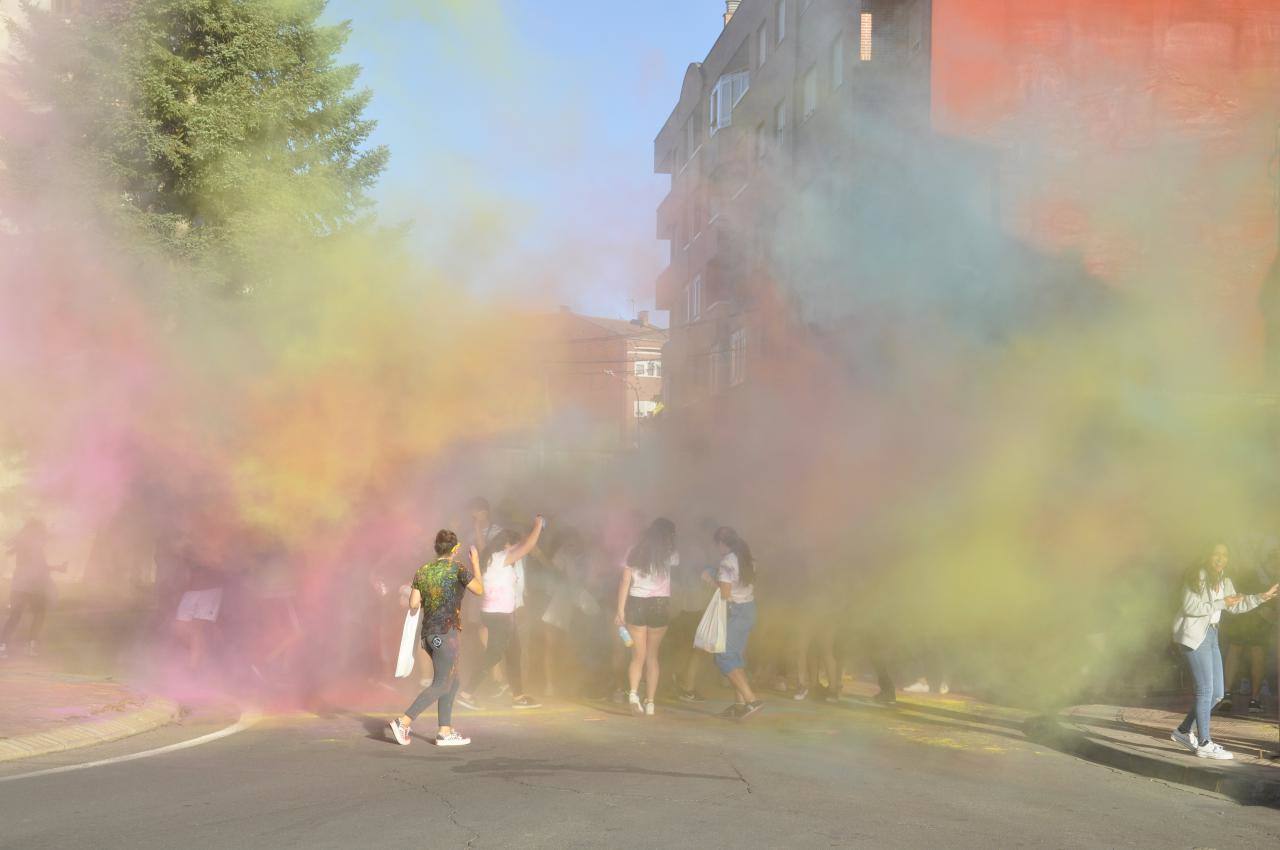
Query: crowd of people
x,y
512,612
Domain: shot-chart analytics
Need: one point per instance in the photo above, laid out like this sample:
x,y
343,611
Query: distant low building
x,y
604,379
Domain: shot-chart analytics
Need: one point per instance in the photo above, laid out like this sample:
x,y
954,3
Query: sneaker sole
x,y
527,707
750,711
465,743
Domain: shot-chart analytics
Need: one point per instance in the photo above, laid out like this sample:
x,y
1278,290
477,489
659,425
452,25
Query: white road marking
x,y
246,720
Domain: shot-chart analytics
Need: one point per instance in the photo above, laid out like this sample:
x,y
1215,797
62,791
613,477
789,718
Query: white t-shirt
x,y
656,583
728,571
499,586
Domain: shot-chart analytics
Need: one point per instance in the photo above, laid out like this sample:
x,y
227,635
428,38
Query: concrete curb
x,y
1229,781
153,714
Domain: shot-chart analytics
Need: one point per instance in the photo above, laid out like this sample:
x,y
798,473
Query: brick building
x,y
958,148
604,382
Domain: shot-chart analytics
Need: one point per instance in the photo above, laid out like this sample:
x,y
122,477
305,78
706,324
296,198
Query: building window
x,y
762,45
864,52
649,368
645,408
780,123
761,141
837,62
738,357
725,96
810,90
780,20
693,299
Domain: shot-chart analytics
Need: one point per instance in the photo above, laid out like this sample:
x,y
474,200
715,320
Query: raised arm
x,y
476,585
529,542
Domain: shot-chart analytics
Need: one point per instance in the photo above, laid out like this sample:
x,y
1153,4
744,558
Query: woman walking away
x,y
438,589
497,612
644,607
1206,594
737,578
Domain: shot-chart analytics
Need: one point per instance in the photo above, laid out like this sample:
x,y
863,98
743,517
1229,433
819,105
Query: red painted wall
x,y
1142,134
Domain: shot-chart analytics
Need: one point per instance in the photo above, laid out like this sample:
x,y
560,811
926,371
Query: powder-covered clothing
x,y
442,584
657,582
500,581
1202,609
730,572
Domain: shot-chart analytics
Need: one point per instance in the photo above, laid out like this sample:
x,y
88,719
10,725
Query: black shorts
x,y
652,612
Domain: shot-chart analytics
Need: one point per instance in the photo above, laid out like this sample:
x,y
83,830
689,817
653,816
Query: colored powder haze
x,y
1013,434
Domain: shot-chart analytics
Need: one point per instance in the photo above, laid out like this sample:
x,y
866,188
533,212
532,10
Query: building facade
x,y
603,380
1015,152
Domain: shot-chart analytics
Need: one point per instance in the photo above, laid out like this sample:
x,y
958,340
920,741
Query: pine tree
x,y
225,132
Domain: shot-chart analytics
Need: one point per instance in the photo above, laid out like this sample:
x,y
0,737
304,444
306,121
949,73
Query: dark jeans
x,y
504,645
18,603
443,650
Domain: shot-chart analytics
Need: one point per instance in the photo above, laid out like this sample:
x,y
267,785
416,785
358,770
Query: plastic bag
x,y
711,633
404,661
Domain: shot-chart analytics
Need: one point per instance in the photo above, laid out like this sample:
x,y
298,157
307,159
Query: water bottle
x,y
626,637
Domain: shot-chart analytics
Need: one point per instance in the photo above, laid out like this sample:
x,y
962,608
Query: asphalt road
x,y
853,775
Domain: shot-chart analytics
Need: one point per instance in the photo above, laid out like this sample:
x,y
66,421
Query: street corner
x,y
47,712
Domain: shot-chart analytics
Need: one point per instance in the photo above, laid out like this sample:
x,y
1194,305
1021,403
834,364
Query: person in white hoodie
x,y
1206,593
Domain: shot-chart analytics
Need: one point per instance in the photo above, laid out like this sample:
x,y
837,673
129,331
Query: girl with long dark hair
x,y
1207,592
644,607
736,578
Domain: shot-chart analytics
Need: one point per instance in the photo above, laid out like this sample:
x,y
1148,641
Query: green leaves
x,y
223,132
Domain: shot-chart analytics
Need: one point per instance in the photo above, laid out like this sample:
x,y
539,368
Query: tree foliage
x,y
224,132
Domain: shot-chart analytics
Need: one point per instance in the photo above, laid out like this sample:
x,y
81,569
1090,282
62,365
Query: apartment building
x,y
763,124
975,149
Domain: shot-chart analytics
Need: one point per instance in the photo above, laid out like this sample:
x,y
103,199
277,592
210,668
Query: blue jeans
x,y
742,616
1205,662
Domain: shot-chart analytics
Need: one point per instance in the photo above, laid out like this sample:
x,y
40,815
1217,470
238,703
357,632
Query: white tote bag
x,y
404,661
710,636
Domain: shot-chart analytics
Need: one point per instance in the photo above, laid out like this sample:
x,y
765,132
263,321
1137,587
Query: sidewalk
x,y
1137,740
43,712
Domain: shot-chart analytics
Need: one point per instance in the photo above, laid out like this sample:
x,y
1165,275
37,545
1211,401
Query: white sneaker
x,y
1210,750
648,708
453,739
1186,739
944,689
801,695
31,650
920,686
400,733
633,699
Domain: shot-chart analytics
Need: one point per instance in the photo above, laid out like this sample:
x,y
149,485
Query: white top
x,y
738,592
500,581
1203,609
656,583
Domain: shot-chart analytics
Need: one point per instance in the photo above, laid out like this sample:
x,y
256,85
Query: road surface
x,y
579,775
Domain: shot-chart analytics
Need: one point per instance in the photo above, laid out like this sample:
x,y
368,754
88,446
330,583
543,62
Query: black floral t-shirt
x,y
442,584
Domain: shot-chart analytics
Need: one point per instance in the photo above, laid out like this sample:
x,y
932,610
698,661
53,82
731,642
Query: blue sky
x,y
522,136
